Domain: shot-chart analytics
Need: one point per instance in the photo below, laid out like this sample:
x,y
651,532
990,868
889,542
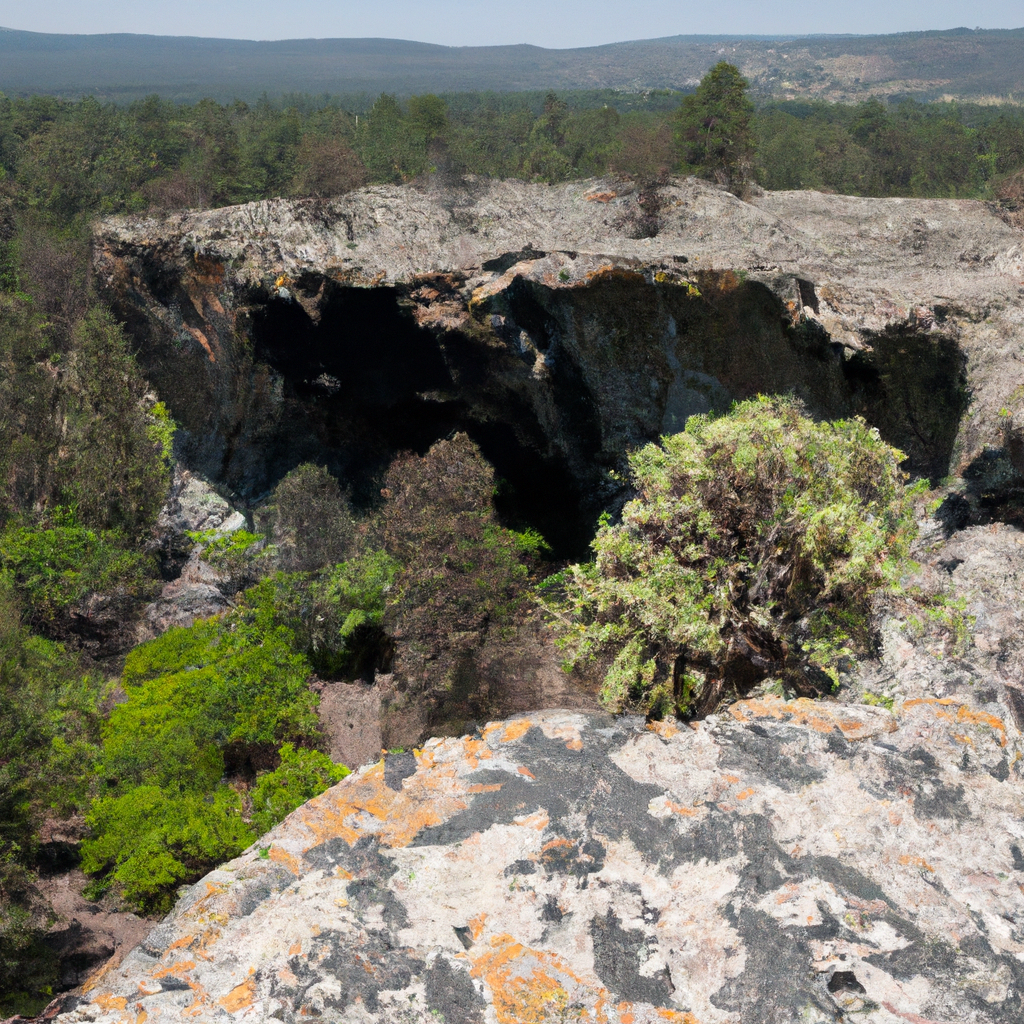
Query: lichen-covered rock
x,y
784,861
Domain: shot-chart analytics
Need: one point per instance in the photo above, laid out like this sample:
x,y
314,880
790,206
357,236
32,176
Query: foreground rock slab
x,y
783,861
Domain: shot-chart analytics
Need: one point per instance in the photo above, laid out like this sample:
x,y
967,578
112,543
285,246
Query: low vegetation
x,y
750,552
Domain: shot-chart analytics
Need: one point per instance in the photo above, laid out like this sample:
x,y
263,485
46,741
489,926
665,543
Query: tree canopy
x,y
713,127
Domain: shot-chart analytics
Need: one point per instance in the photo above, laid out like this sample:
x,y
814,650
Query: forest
x,y
140,744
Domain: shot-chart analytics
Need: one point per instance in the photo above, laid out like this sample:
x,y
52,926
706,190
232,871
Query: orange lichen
x,y
290,861
342,811
295,949
476,926
917,862
804,711
240,996
749,792
601,197
569,733
665,729
108,1001
788,891
529,986
480,787
516,730
686,812
962,716
475,751
94,979
538,820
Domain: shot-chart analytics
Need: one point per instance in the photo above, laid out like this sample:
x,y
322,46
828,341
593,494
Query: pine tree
x,y
713,128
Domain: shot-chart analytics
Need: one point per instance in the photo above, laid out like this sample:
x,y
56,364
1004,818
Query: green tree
x,y
713,128
751,551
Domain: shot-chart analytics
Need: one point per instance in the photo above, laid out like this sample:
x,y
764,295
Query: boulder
x,y
781,861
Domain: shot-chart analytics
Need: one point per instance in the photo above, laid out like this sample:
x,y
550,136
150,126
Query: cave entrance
x,y
366,382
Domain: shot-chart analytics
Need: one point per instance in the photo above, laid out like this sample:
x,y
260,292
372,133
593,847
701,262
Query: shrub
x,y
229,689
151,839
55,568
310,520
301,775
346,621
751,550
193,691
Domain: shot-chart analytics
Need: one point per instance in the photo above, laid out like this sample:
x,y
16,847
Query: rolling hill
x,y
962,63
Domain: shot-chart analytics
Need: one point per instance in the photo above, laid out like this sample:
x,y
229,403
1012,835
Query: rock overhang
x,y
559,337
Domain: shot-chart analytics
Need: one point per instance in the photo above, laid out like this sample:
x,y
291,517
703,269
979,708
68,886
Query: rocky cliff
x,y
561,325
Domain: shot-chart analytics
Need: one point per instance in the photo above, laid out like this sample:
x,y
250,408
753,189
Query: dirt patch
x,y
86,934
350,721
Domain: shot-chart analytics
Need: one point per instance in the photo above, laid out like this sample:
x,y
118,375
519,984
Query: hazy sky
x,y
551,23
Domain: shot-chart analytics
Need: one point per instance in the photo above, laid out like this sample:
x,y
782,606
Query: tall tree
x,y
713,128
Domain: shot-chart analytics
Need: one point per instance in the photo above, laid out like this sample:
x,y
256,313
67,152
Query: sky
x,y
549,23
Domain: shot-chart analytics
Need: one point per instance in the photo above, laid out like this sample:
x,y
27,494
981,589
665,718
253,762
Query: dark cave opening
x,y
367,382
912,386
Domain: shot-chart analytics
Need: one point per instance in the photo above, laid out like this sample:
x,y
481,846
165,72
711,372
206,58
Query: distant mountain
x,y
959,63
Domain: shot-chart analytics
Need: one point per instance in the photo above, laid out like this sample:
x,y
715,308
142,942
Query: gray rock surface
x,y
196,590
782,861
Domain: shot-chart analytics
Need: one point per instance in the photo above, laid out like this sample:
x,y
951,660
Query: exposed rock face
x,y
195,589
782,862
560,325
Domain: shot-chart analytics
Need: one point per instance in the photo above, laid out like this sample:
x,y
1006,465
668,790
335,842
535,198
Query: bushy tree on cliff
x,y
751,551
713,128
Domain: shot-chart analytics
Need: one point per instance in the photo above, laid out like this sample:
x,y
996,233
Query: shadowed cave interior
x,y
367,382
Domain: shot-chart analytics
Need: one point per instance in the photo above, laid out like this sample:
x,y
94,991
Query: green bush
x,y
751,551
232,686
301,775
55,568
49,720
347,613
191,692
151,839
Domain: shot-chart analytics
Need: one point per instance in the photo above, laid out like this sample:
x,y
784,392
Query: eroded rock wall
x,y
561,325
